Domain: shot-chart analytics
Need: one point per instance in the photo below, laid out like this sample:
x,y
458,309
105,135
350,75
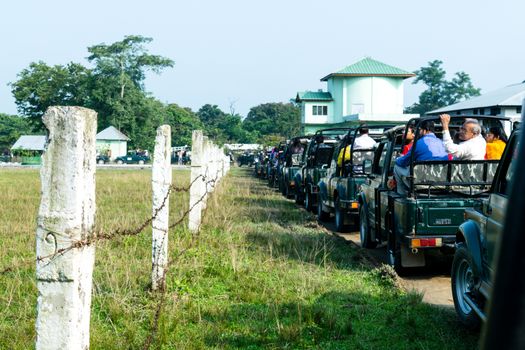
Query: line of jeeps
x,y
451,207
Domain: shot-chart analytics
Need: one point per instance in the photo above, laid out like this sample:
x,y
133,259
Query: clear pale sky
x,y
252,52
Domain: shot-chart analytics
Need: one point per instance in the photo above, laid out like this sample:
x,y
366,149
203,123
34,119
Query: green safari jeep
x,y
317,157
476,241
426,220
339,188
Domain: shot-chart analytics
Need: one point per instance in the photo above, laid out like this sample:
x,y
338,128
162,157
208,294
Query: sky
x,y
244,53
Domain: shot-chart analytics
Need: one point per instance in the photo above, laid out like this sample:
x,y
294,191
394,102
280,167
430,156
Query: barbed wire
x,y
163,291
99,235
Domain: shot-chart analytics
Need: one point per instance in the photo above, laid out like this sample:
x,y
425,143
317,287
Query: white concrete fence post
x,y
65,217
161,180
209,162
198,186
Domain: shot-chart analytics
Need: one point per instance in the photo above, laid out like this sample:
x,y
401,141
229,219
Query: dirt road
x,y
432,281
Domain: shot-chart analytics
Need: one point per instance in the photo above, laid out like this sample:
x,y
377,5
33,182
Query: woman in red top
x,y
410,139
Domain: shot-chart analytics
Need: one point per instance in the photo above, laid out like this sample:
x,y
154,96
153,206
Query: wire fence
x,y
116,235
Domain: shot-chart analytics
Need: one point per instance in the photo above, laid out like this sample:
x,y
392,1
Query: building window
x,y
320,110
518,110
475,111
495,111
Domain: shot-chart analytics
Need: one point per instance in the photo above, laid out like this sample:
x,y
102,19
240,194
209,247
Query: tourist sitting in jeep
x,y
428,147
423,221
472,146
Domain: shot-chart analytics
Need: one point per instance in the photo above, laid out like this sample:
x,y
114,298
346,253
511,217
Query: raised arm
x,y
457,150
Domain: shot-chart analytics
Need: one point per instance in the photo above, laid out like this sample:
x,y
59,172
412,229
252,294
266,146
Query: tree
x,y
114,88
40,86
11,128
183,121
273,119
127,59
440,92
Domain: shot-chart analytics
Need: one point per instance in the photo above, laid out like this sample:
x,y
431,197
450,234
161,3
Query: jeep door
x,y
497,203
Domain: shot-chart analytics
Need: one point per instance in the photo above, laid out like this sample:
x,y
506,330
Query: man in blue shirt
x,y
428,147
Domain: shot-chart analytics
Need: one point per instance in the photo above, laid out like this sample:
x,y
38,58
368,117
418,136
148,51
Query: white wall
x,y
373,95
309,118
337,90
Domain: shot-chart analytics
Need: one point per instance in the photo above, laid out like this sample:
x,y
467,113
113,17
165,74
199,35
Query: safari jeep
x,y
292,163
476,241
316,160
426,220
339,189
275,164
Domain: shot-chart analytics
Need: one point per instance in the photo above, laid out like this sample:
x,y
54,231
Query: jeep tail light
x,y
354,205
426,242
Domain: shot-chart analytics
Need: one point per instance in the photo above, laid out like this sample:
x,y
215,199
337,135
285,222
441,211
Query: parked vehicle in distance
x,y
316,160
132,158
426,220
339,189
102,159
275,164
476,238
245,159
292,163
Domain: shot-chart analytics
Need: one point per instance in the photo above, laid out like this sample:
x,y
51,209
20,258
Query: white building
x,y
112,142
366,91
504,102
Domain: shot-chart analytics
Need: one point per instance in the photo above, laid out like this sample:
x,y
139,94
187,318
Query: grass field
x,y
263,275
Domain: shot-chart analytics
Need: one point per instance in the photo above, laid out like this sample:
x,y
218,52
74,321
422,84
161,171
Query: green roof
x,y
313,96
369,67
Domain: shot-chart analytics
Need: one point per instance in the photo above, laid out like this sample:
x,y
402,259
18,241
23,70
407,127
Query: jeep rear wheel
x,y
339,217
321,214
464,281
120,162
308,201
393,251
364,230
298,196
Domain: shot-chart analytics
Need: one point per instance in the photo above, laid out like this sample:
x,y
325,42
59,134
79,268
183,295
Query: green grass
x,y
263,275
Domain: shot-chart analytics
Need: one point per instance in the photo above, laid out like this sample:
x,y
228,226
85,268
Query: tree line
x,y
114,85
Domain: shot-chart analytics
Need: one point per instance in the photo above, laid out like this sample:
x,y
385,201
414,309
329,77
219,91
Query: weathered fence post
x,y
161,183
66,217
198,186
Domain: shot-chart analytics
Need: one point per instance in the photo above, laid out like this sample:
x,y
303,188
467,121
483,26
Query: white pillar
x,y
161,183
66,216
197,188
206,169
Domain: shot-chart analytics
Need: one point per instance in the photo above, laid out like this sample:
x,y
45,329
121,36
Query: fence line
x,y
66,233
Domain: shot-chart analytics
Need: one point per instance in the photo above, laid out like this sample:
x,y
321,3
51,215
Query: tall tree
x,y
114,88
127,59
440,92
